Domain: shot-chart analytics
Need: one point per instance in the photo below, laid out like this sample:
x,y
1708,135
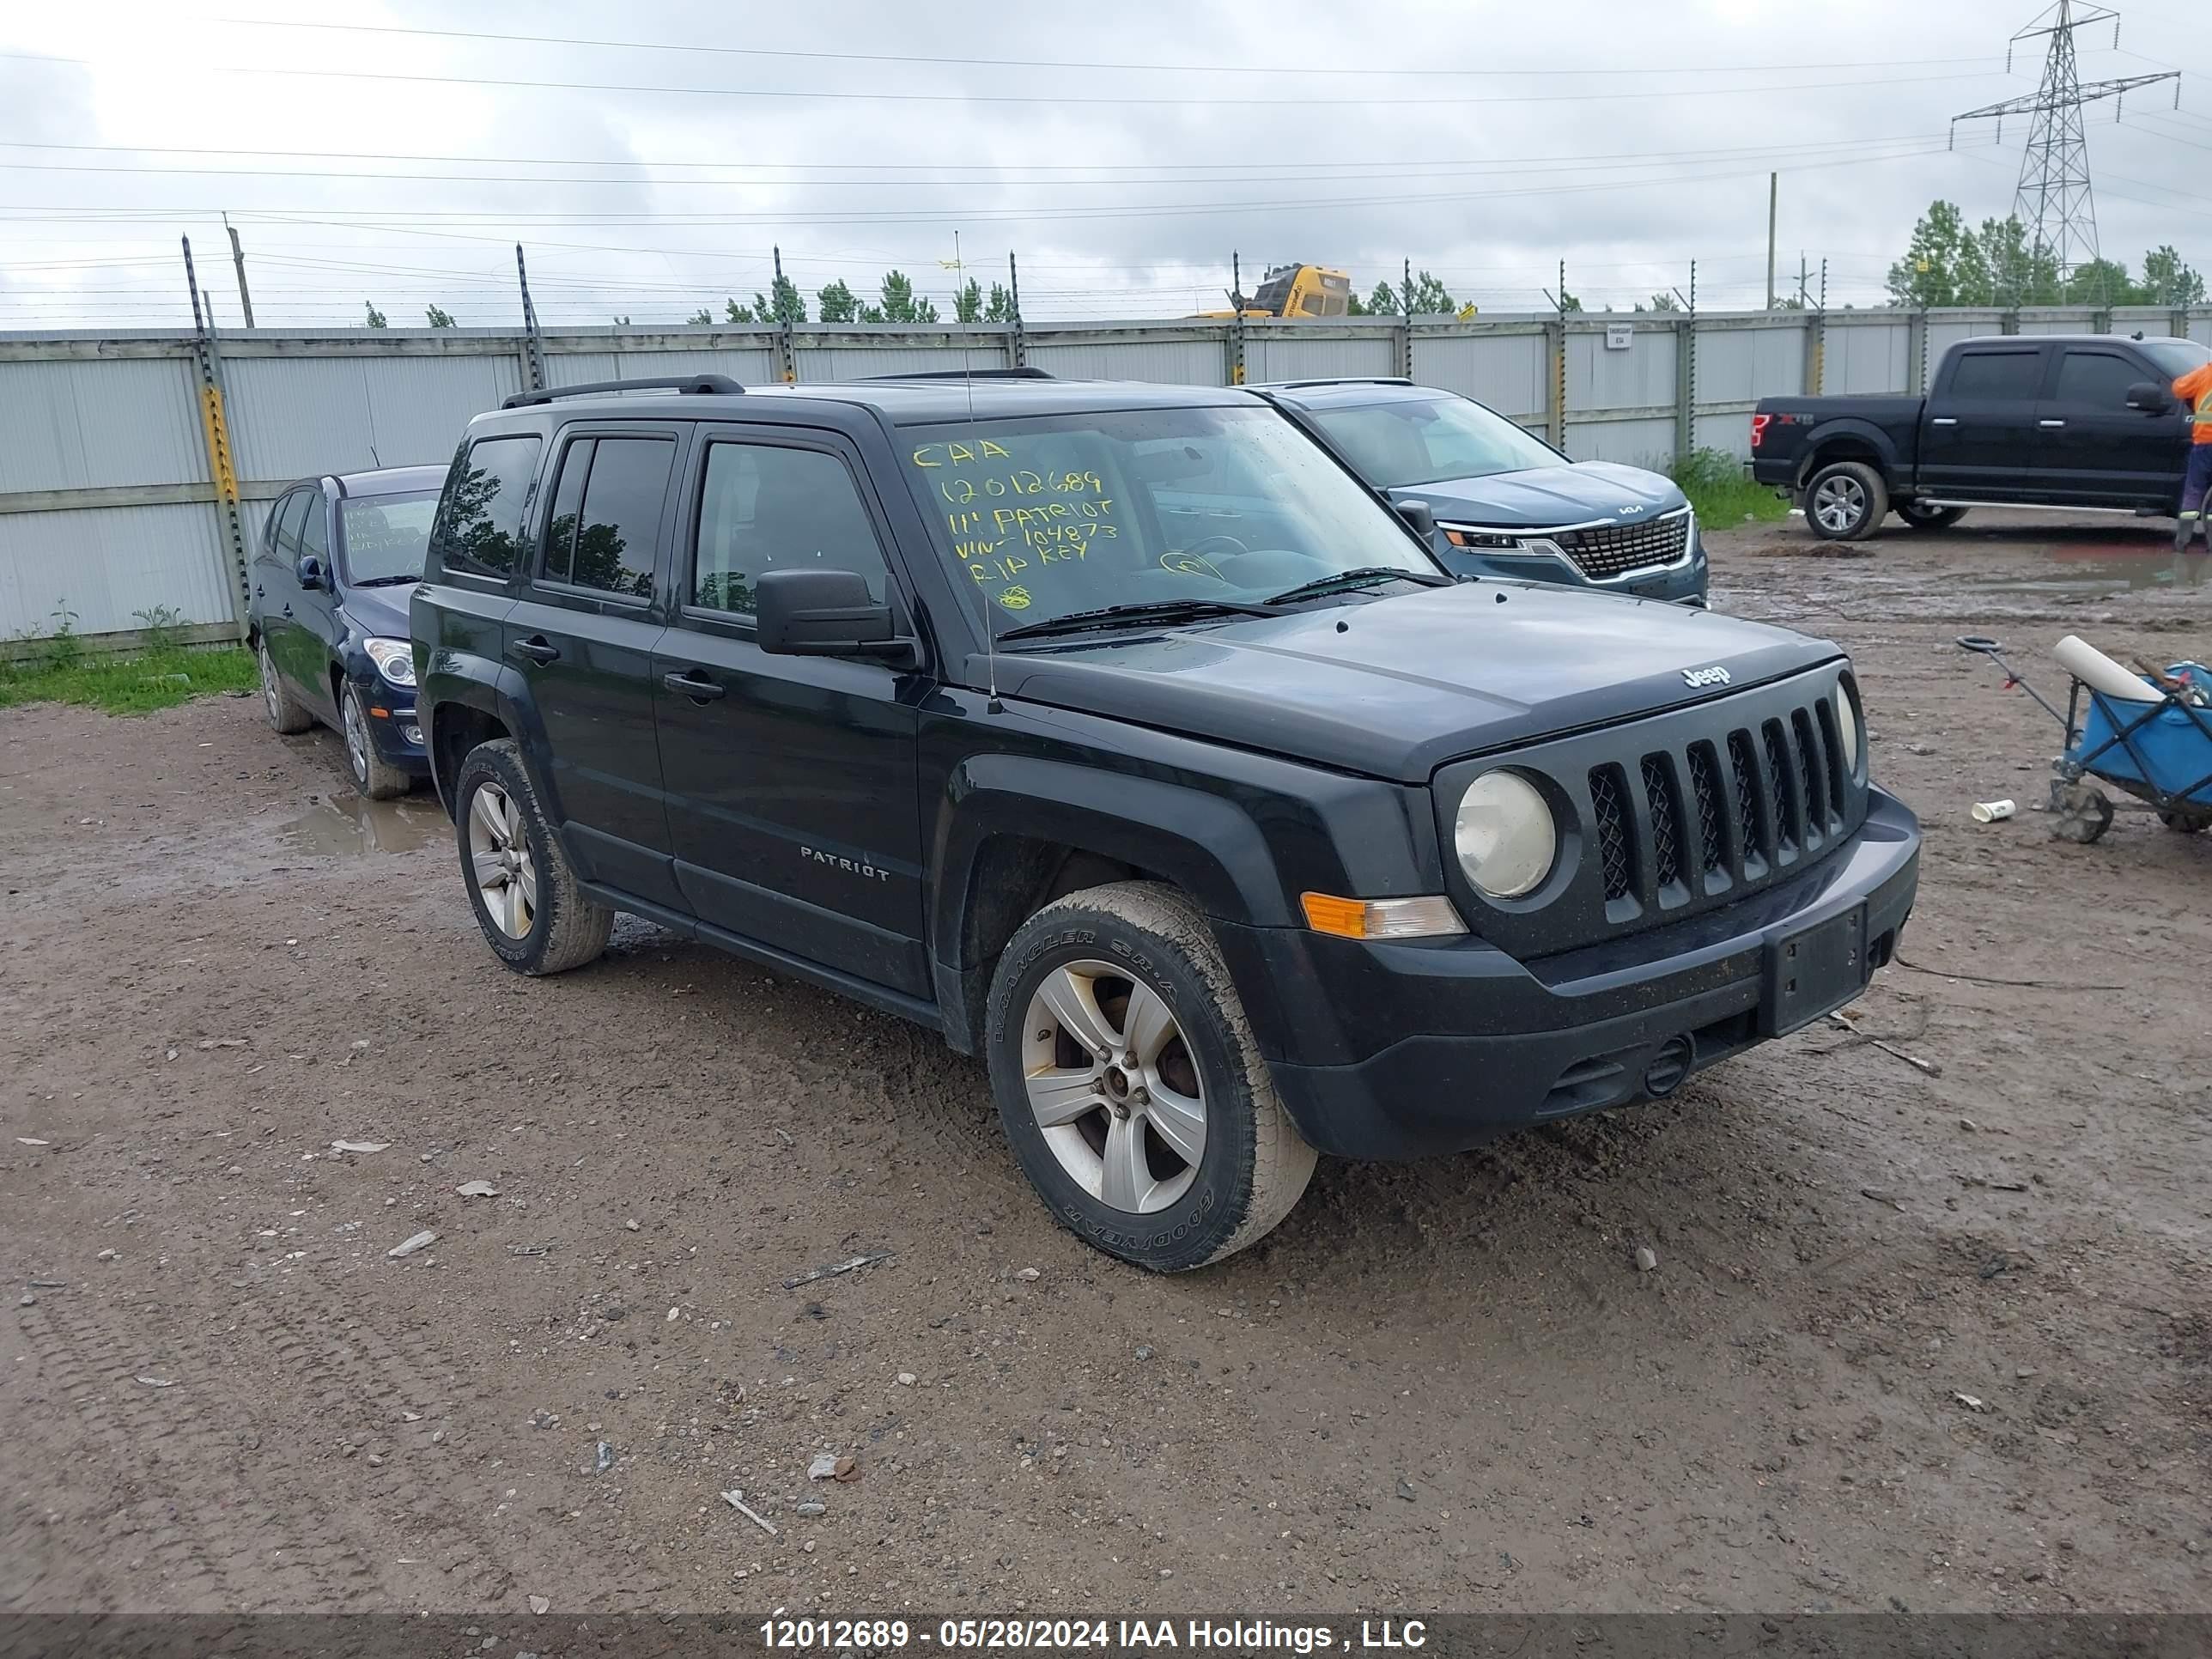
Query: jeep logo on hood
x,y
1696,677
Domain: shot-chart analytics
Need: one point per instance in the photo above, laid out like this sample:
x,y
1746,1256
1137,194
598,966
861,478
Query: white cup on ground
x,y
1992,812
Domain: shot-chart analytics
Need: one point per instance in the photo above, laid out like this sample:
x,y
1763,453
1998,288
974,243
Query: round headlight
x,y
1847,729
1504,834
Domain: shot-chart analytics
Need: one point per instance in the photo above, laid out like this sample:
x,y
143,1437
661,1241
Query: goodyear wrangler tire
x,y
1129,1084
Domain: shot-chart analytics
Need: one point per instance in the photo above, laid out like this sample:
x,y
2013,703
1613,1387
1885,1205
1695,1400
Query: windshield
x,y
1417,442
387,537
2176,358
1056,514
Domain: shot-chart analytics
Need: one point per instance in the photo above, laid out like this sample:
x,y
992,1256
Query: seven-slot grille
x,y
1614,550
1683,831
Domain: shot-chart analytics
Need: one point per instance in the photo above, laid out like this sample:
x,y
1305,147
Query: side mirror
x,y
1419,514
820,613
2149,397
311,572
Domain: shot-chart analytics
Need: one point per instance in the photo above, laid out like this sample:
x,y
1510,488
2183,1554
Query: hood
x,y
1545,497
1413,682
379,610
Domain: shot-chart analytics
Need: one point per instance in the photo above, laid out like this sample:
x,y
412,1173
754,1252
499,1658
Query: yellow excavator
x,y
1296,291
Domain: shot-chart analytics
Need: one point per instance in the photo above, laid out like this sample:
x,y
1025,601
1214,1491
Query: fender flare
x,y
455,680
1848,426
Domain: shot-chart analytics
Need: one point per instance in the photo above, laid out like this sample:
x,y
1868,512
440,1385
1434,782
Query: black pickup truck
x,y
1120,735
2055,419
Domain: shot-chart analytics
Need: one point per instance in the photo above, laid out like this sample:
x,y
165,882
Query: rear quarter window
x,y
482,513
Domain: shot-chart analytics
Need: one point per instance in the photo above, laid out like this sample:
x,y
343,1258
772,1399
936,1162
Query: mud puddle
x,y
2079,571
350,827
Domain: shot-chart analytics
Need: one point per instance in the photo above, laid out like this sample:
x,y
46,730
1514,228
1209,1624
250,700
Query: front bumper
x,y
394,725
1684,582
1405,1049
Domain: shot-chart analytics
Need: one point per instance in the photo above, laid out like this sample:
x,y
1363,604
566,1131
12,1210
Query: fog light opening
x,y
1676,1057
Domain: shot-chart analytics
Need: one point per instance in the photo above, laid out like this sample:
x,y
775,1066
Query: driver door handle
x,y
535,650
1944,420
2049,423
699,689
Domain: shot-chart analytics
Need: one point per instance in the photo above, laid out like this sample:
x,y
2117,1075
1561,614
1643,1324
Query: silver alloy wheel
x,y
1115,1086
499,856
1839,503
272,697
357,736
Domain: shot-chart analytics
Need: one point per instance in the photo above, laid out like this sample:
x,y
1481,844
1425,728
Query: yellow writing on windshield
x,y
959,454
1006,518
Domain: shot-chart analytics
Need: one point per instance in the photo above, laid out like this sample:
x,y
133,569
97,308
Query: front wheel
x,y
374,775
1919,517
1129,1084
524,889
1845,501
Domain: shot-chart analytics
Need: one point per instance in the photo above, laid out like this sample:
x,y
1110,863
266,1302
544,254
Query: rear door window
x,y
605,524
481,517
1997,375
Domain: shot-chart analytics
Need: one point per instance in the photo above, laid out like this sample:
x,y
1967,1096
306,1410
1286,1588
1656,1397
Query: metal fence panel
x,y
1295,351
107,564
747,365
1730,433
1736,364
1945,329
1869,356
90,422
1648,442
1600,378
1505,370
1199,358
292,417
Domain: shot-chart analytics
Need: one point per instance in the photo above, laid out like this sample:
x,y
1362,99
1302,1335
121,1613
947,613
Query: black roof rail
x,y
1332,379
704,385
1024,373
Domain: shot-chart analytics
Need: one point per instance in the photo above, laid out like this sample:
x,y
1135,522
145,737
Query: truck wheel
x,y
287,713
534,916
1129,1084
1917,517
1844,501
374,775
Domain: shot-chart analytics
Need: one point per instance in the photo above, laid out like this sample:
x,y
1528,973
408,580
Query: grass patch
x,y
127,685
1713,481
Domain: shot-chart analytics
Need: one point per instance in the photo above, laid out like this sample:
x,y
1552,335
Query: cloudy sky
x,y
649,154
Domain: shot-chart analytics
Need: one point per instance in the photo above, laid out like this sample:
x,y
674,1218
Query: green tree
x,y
838,303
2168,282
1569,301
786,305
734,312
901,303
2102,282
999,308
1356,306
1929,273
439,317
968,302
375,316
701,318
1662,300
1383,303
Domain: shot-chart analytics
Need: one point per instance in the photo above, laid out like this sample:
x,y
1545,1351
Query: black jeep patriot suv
x,y
1118,733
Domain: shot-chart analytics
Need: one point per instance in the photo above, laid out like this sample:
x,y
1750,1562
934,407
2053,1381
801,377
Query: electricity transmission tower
x,y
2053,201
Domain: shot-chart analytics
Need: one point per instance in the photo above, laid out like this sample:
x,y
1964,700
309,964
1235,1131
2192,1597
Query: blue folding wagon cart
x,y
2159,751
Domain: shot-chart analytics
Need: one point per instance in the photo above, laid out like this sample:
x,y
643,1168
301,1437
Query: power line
x,y
907,59
1057,98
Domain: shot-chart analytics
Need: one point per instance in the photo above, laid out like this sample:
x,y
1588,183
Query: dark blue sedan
x,y
1506,503
328,615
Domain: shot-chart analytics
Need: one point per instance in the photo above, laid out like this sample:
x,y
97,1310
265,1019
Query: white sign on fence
x,y
1619,337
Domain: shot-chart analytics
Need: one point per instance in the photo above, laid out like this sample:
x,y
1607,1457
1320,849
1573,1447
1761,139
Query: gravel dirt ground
x,y
1934,1342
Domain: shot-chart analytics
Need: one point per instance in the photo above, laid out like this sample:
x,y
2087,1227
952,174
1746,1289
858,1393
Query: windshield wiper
x,y
1365,577
386,581
1136,612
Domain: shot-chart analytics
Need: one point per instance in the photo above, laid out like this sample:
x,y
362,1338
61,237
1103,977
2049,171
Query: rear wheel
x,y
1919,517
287,713
534,916
1845,501
374,775
1129,1084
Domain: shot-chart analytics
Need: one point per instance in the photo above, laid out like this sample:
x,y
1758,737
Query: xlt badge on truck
x,y
1698,677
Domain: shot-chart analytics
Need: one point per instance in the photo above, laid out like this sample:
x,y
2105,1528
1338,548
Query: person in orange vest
x,y
2195,391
